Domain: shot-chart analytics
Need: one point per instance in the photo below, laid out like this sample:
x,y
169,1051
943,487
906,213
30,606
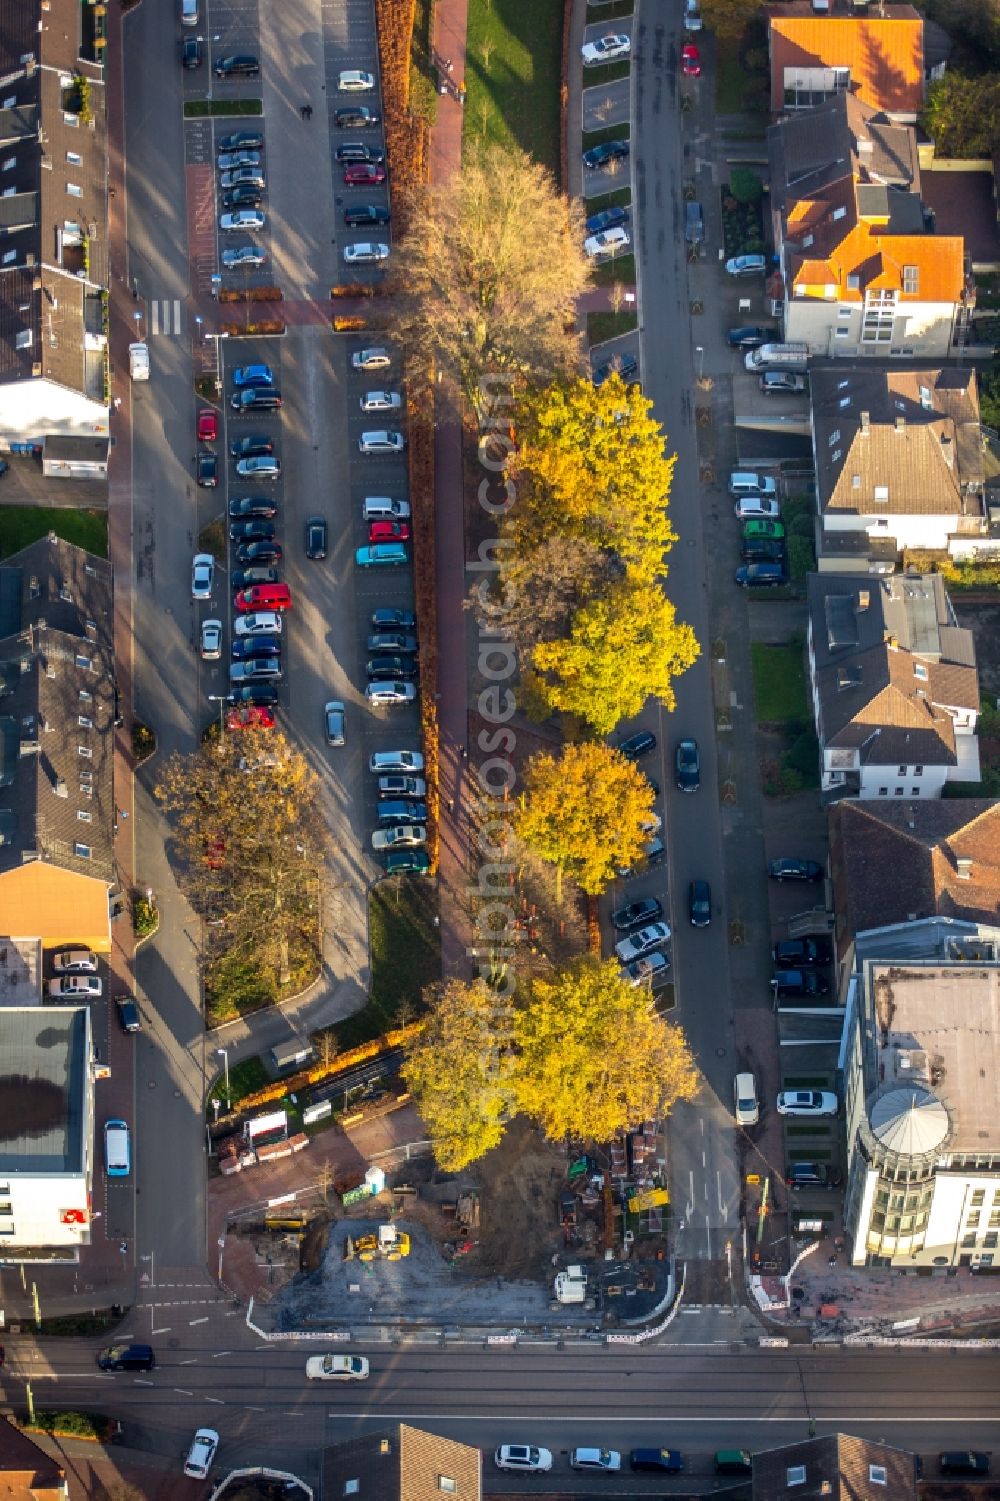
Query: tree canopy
x,y
962,115
622,648
459,1072
584,813
594,1057
485,282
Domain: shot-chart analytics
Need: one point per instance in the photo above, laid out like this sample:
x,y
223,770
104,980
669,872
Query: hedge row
x,y
251,294
406,134
244,330
321,1071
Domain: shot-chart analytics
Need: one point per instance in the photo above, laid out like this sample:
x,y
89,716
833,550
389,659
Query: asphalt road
x,y
693,1399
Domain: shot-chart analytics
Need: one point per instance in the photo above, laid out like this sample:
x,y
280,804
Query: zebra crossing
x,y
163,316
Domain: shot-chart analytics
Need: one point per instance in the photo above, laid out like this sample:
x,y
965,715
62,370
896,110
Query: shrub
x,y
145,916
72,1424
745,186
349,325
351,289
143,741
251,294
243,331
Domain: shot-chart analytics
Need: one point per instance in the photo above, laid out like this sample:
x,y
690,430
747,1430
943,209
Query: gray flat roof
x,y
42,1088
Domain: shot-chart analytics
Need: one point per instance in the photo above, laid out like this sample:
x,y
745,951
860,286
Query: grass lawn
x,y
245,1077
621,132
605,73
622,269
620,198
20,525
195,107
423,76
779,683
513,60
406,956
604,326
730,79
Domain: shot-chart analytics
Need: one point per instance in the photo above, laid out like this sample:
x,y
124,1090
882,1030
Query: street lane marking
x,y
140,1382
192,1361
217,1400
220,1353
182,1392
380,1414
162,1331
198,1321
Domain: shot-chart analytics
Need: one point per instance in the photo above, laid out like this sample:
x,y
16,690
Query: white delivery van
x,y
778,357
138,361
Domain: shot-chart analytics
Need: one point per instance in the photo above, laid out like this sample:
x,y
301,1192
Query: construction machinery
x,y
389,1243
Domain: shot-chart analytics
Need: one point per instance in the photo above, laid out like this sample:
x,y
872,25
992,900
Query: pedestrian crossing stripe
x,y
164,316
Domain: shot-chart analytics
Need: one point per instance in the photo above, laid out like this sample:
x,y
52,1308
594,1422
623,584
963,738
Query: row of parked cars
x,y
532,1459
763,546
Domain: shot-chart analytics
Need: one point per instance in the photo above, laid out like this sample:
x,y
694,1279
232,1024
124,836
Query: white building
x,y
46,1129
894,686
921,1069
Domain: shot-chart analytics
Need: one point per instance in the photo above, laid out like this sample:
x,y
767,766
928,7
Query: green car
x,y
763,529
407,862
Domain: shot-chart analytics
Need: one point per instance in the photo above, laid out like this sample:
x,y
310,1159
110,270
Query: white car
x,y
75,962
396,761
526,1457
381,401
595,1459
365,252
201,1453
259,623
636,944
756,508
606,49
403,836
244,255
231,159
75,985
211,640
354,81
242,218
390,693
609,242
383,441
337,1368
807,1102
202,576
371,359
648,967
692,16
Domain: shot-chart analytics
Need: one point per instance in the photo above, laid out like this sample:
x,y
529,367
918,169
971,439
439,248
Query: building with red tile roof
x,y
877,57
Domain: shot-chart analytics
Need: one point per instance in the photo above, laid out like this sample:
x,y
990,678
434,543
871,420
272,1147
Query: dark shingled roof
x,y
401,1464
838,1468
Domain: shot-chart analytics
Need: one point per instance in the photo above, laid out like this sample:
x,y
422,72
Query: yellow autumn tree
x,y
598,470
459,1070
593,1057
584,812
622,648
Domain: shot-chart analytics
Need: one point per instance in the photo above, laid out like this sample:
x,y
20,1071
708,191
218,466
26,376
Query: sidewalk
x,y
453,710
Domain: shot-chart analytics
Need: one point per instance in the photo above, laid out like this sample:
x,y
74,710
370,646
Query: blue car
x,y
253,375
607,218
117,1152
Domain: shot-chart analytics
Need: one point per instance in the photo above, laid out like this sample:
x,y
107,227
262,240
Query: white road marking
x,y
181,1392
217,1400
383,1414
140,1382
219,1354
162,1331
192,1361
204,1320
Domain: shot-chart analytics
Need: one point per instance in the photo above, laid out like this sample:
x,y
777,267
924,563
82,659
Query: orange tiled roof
x,y
885,54
876,258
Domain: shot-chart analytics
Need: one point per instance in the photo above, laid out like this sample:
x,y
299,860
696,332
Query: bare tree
x,y
324,1179
485,284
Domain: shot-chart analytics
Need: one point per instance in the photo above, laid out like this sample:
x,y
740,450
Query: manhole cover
x,y
696,308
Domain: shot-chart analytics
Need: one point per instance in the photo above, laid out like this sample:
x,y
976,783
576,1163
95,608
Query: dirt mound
x,y
520,1182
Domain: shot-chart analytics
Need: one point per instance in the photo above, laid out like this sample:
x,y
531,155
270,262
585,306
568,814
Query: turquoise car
x,y
381,555
407,862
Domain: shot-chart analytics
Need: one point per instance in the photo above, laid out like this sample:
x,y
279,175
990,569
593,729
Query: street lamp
x,y
221,699
225,1060
701,360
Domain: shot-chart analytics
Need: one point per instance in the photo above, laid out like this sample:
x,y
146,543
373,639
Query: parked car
x,y
201,1453
635,914
525,1457
259,623
243,507
401,810
783,383
191,53
253,375
668,1461
244,218
245,647
595,1459
393,620
963,1462
257,573
759,549
607,244
392,641
255,669
337,1368
252,553
242,177
81,985
237,198
357,174
752,336
746,1107
637,746
381,441
606,49
362,215
244,255
380,401
756,508
355,81
264,466
687,766
690,60
761,576
207,471
128,1013
404,761
228,161
763,528
811,1175
75,962
625,365
202,575
251,445
365,253
795,870
807,1102
746,265
799,953
400,836
237,65
255,530
355,117
333,722
392,669
257,696
646,967
389,531
358,151
401,786
408,862
607,218
605,153
375,358
211,640
700,904
653,936
803,983
383,692
316,538
241,140
694,222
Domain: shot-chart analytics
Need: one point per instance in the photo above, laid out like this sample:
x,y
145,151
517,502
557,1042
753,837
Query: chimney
x,y
947,451
963,867
60,789
864,599
865,424
891,641
901,424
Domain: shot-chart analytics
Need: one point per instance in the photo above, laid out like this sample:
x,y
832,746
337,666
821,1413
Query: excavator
x,y
390,1244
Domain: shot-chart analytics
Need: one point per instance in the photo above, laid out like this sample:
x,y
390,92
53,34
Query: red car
x,y
389,531
363,172
250,717
690,61
208,425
